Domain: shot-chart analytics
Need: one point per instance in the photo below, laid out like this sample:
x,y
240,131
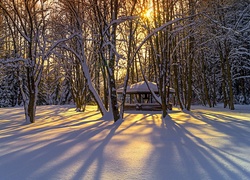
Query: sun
x,y
148,12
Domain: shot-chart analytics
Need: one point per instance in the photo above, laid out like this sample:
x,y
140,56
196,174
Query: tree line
x,y
81,51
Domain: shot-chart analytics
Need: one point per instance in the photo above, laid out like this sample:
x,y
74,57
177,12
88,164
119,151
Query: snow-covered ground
x,y
63,144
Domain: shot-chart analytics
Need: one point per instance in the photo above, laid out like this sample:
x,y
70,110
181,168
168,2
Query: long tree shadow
x,y
57,154
82,147
237,130
97,156
16,130
181,154
45,153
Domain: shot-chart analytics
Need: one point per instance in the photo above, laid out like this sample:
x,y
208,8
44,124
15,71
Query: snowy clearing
x,y
67,145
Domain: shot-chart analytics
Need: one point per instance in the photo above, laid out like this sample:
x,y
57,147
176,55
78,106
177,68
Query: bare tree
x,y
30,19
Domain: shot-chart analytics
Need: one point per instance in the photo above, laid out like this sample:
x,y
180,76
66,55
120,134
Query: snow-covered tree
x,y
29,19
9,88
201,48
76,11
224,47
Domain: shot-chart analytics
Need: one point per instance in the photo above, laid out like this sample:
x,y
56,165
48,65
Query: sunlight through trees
x,y
82,51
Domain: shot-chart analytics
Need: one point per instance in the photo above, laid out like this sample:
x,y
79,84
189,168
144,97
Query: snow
x,y
142,87
63,144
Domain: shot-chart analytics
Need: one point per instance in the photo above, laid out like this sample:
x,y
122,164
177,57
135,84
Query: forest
x,y
81,51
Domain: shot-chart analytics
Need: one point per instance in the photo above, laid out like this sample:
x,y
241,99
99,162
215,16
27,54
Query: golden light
x,y
148,13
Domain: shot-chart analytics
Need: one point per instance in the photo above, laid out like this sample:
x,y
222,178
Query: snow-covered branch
x,y
12,60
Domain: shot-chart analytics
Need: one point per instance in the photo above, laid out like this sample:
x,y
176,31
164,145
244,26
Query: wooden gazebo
x,y
139,97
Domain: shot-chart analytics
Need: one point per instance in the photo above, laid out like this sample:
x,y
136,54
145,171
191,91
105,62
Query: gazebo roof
x,y
141,87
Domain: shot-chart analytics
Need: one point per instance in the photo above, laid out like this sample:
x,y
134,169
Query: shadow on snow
x,y
177,153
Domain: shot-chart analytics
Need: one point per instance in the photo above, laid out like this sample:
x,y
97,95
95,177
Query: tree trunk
x,y
191,55
32,108
223,83
110,68
130,63
113,97
176,83
205,83
230,84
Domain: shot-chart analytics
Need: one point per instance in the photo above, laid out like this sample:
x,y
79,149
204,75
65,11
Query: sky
x,y
67,145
